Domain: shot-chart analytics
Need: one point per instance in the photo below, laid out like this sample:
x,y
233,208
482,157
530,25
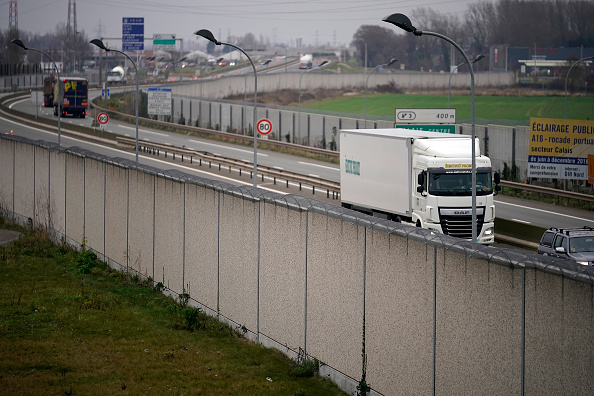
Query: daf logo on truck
x,y
420,177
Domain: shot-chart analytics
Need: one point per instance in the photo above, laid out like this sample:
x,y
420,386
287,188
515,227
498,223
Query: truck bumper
x,y
486,235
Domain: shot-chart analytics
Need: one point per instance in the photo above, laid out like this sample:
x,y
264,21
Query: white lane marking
x,y
278,167
312,175
320,166
143,130
17,102
541,210
228,148
133,155
521,221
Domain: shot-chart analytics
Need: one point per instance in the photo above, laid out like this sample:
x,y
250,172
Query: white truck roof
x,y
427,143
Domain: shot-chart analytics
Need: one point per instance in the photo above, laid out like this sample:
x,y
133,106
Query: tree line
x,y
516,23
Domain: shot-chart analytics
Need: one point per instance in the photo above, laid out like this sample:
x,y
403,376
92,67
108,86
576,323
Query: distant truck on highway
x,y
306,61
117,75
420,177
48,90
73,93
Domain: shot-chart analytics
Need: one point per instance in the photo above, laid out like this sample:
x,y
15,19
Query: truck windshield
x,y
459,183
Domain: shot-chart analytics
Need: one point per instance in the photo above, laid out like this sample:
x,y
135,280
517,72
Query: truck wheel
x,y
418,223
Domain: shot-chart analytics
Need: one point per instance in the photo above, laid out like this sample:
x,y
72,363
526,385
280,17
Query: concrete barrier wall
x,y
402,309
230,85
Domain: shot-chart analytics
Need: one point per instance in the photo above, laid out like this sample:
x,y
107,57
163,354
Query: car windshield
x,y
581,244
459,183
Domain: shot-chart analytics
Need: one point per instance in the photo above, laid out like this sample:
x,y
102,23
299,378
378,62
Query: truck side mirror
x,y
420,182
497,180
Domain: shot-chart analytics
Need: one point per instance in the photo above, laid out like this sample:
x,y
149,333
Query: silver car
x,y
575,244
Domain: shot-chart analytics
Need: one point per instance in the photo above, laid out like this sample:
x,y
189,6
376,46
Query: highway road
x,y
523,211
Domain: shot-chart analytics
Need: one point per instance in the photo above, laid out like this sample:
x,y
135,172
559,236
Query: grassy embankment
x,y
492,108
70,325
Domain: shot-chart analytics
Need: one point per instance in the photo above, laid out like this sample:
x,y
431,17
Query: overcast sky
x,y
282,21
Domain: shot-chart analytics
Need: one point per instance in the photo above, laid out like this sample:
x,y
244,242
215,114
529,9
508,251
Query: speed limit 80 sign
x,y
264,126
103,118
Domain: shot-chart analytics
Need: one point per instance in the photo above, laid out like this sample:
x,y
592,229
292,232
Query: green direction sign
x,y
164,42
443,128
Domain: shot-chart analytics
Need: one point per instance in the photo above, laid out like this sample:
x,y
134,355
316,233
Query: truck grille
x,y
457,222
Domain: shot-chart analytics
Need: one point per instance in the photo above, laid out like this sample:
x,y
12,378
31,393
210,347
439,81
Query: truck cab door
x,y
420,191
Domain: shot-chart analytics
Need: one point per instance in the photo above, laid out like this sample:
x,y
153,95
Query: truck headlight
x,y
582,262
488,232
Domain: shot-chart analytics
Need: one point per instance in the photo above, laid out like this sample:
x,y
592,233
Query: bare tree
x,y
382,45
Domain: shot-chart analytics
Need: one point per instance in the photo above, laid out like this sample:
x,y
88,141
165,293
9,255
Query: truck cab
x,y
443,187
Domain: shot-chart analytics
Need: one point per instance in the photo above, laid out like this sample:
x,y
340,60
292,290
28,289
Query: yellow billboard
x,y
559,148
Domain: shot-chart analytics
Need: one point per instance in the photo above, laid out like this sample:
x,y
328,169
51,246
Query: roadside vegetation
x,y
515,110
71,325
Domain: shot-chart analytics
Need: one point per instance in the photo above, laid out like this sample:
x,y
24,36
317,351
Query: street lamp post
x,y
367,80
207,34
299,113
404,23
478,58
100,44
23,46
567,75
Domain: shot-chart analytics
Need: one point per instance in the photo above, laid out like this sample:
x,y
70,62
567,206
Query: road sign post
x,y
103,118
264,126
164,42
132,34
433,120
159,101
442,128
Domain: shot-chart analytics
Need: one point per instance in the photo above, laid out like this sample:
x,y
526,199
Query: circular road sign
x,y
103,118
264,126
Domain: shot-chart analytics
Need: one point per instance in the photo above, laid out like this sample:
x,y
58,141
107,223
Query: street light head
x,y
478,58
207,34
401,21
392,61
99,44
19,43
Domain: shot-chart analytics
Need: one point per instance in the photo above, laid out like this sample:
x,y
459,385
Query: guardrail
x,y
332,188
312,152
589,199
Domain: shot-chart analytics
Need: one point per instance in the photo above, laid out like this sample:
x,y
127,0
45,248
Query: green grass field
x,y
488,109
69,325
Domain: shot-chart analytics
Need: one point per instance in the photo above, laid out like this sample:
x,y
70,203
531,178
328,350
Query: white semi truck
x,y
420,177
116,75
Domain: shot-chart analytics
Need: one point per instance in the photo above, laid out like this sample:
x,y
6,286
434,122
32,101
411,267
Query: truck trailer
x,y
306,61
49,83
72,94
420,177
